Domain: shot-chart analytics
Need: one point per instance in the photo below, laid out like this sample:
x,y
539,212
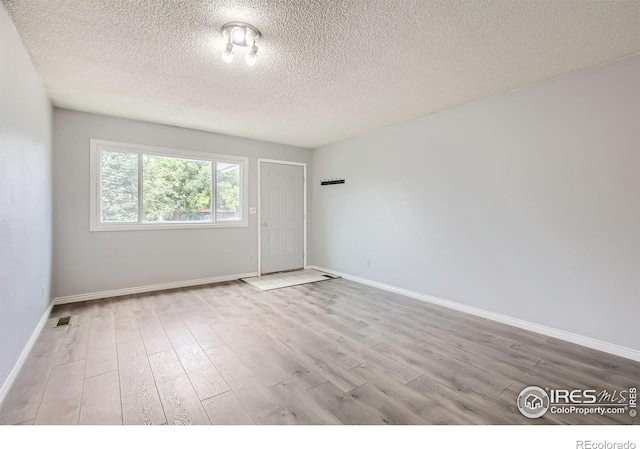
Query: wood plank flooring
x,y
330,352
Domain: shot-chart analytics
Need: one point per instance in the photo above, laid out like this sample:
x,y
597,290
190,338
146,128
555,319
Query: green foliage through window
x,y
119,175
228,183
174,189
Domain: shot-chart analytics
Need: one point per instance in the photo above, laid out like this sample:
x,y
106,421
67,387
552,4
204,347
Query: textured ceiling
x,y
327,69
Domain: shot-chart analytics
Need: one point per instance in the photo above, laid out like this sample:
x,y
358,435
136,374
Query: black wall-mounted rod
x,y
332,182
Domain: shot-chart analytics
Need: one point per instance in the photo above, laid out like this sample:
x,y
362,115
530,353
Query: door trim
x,y
304,203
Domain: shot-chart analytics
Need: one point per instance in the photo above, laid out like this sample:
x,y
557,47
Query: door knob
x,y
264,223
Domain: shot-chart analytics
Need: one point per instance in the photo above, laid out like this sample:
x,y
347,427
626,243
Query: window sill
x,y
164,226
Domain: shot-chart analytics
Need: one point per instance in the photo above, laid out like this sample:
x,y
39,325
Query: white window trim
x,y
94,188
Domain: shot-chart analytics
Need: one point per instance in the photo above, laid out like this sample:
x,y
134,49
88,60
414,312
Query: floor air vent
x,y
64,321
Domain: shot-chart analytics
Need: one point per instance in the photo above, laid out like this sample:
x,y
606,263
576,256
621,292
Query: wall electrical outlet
x,y
252,210
368,264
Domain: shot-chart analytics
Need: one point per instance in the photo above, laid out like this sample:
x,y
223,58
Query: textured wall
x,y
25,197
86,262
526,204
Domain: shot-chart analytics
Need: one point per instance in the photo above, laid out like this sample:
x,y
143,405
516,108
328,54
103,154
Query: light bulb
x,y
227,56
252,56
238,35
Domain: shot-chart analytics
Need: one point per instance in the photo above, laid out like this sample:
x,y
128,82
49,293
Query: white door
x,y
282,217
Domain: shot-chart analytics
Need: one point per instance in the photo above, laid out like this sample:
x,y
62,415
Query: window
x,y
137,187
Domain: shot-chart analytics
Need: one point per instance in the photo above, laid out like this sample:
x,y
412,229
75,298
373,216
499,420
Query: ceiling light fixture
x,y
227,56
238,35
243,35
252,56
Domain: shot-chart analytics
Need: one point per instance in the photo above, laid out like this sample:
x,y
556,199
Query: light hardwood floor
x,y
331,352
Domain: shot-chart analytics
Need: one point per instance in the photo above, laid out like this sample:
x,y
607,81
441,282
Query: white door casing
x,y
282,218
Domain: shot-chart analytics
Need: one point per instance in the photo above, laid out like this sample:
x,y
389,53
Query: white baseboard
x,y
148,288
592,343
8,382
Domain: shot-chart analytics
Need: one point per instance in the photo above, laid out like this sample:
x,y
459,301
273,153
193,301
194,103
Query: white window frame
x,y
95,187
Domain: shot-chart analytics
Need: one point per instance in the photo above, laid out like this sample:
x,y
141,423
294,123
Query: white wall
x,y
86,262
526,204
25,197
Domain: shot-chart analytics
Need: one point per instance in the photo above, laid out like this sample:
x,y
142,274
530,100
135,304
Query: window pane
x,y
176,189
228,191
119,186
